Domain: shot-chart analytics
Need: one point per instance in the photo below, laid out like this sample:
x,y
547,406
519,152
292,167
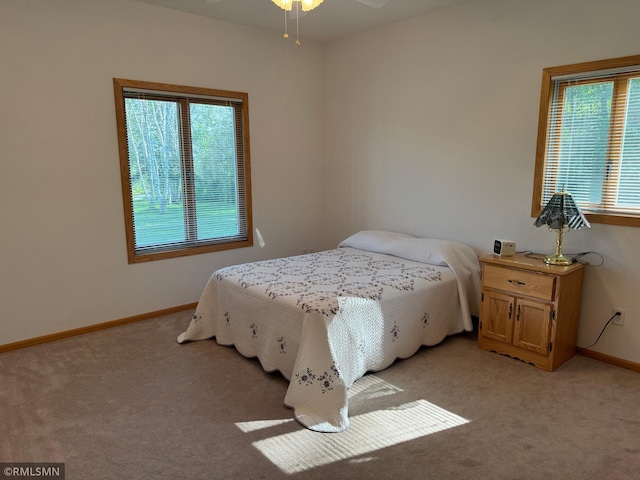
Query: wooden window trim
x,y
245,176
546,98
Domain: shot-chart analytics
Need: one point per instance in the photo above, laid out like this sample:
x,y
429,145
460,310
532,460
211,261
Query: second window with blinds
x,y
589,139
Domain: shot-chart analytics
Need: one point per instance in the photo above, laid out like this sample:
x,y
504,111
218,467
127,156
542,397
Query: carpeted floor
x,y
130,403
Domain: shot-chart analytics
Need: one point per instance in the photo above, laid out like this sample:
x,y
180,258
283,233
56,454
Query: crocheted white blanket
x,y
325,319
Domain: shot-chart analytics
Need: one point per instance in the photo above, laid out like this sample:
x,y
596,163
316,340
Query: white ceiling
x,y
332,19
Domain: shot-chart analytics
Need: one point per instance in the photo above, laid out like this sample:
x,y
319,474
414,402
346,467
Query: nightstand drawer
x,y
519,282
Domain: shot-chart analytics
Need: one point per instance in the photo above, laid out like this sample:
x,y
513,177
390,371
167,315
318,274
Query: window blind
x,y
593,140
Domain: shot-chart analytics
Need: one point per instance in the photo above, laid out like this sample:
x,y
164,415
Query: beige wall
x,y
427,126
431,130
64,262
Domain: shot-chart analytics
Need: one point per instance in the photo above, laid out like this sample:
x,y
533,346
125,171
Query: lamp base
x,y
557,259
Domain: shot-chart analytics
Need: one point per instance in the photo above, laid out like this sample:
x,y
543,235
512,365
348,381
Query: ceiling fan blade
x,y
374,3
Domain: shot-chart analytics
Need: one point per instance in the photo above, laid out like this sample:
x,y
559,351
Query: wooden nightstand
x,y
530,310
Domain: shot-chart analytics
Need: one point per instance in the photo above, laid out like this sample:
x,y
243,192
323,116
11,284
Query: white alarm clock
x,y
504,247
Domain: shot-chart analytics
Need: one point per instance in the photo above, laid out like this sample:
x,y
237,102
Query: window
x,y
589,139
184,161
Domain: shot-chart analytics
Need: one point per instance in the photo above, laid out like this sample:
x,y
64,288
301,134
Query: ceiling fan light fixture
x,y
284,4
306,5
287,6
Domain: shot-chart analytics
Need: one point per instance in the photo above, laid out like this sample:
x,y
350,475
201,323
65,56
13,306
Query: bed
x,y
325,319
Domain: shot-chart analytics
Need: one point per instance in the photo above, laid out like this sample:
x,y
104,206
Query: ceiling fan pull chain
x,y
297,26
286,35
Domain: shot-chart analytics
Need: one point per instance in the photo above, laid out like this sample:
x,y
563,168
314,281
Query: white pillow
x,y
375,241
430,250
426,250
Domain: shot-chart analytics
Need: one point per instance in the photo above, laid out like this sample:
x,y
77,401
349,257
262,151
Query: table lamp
x,y
561,212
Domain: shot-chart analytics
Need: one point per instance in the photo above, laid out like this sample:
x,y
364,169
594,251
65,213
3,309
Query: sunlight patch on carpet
x,y
368,387
247,427
303,450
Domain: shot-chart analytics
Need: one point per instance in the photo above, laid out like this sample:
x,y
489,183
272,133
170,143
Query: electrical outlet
x,y
619,320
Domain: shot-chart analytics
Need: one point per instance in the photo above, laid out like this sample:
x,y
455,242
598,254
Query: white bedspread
x,y
325,319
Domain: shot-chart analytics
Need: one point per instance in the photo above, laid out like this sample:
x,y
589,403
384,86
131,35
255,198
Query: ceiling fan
x,y
368,3
303,6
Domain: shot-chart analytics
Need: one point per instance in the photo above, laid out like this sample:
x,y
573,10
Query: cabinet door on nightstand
x,y
497,316
532,326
